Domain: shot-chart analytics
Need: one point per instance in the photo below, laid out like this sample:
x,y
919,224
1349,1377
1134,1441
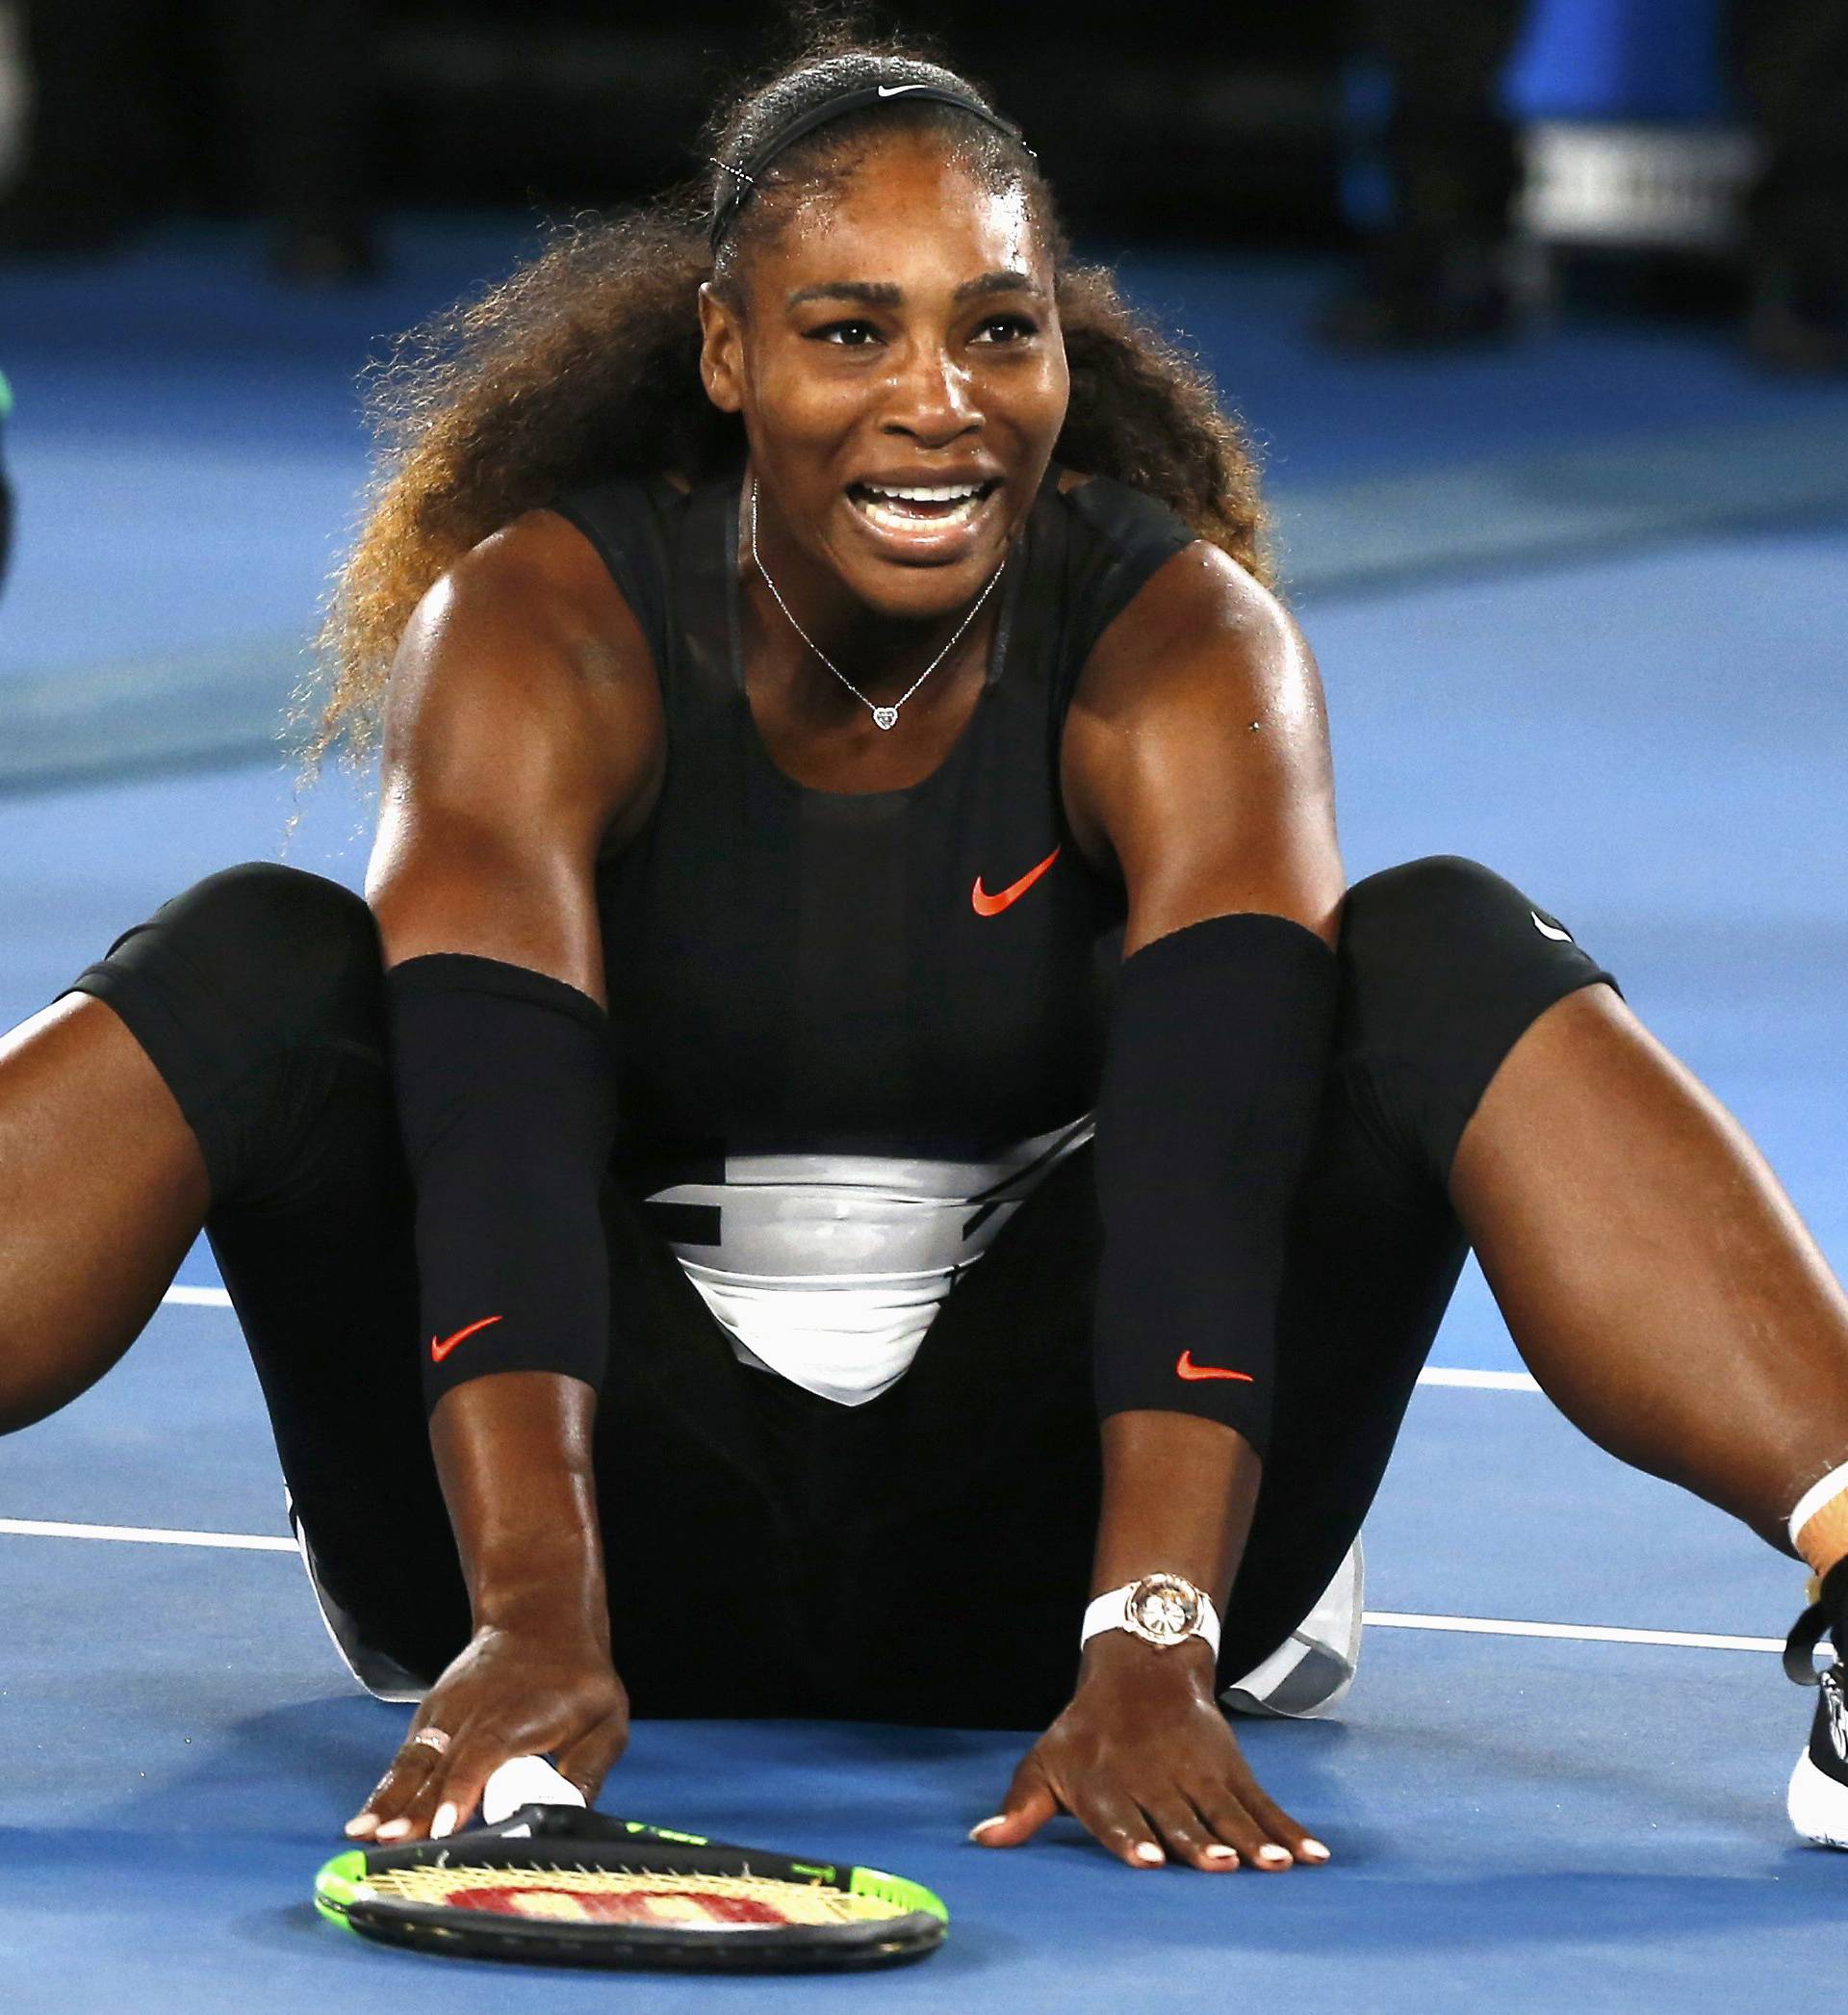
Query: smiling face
x,y
900,372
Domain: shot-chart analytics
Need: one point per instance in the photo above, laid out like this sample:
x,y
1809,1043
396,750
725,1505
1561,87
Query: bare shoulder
x,y
538,587
1204,657
1199,623
1195,761
524,673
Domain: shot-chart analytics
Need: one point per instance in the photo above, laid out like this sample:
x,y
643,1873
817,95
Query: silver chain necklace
x,y
883,716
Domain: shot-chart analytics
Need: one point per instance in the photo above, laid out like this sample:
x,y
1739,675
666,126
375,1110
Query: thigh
x,y
321,1270
257,997
1374,1257
1444,967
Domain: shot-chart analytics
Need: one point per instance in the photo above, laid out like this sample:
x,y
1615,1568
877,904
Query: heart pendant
x,y
885,717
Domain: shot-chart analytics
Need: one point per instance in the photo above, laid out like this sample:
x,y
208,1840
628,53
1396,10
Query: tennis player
x,y
855,988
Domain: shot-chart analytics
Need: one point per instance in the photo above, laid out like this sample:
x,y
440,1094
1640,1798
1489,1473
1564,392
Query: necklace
x,y
883,716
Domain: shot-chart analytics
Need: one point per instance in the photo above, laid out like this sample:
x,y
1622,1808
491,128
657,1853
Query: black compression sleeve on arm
x,y
505,1085
1219,1048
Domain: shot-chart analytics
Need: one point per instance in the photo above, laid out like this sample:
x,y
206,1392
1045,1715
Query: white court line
x,y
1579,1633
144,1534
1432,1375
1383,1619
1482,1381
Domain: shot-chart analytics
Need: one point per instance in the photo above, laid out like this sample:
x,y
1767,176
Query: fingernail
x,y
392,1829
1145,1851
362,1824
1217,1853
1274,1857
981,1826
1313,1850
444,1823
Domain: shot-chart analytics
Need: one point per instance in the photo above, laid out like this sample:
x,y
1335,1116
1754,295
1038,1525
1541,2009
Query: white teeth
x,y
953,495
875,507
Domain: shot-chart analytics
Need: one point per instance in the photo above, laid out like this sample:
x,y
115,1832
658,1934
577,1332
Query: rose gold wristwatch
x,y
1159,1608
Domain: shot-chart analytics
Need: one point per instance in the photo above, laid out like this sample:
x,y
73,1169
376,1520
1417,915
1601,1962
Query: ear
x,y
721,352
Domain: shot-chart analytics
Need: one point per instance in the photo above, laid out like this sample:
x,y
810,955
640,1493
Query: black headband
x,y
745,179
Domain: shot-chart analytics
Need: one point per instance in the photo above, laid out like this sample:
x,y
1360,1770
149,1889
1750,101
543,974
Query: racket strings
x,y
636,1895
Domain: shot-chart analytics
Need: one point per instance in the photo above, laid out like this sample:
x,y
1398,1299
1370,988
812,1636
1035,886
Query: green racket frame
x,y
591,1840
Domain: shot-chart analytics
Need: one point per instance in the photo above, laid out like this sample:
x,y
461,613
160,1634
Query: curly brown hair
x,y
584,365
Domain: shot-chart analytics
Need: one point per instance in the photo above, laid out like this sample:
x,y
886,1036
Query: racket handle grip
x,y
524,1780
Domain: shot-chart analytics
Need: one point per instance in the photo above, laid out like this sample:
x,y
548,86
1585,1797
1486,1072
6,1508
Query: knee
x,y
1424,941
296,948
1440,903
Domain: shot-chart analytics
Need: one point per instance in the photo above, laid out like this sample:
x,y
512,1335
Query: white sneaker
x,y
1818,1800
1310,1672
383,1677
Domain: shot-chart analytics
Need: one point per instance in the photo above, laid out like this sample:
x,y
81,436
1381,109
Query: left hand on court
x,y
1146,1760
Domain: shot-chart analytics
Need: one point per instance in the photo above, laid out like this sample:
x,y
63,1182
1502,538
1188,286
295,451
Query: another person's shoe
x,y
1818,1800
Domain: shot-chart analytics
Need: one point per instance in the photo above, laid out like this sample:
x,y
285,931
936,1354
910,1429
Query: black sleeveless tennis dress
x,y
855,1031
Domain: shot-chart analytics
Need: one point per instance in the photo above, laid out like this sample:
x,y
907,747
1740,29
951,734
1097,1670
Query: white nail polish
x,y
392,1829
444,1823
1314,1850
1275,1857
1145,1851
1219,1853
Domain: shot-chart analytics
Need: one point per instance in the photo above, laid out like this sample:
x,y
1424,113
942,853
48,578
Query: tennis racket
x,y
561,1887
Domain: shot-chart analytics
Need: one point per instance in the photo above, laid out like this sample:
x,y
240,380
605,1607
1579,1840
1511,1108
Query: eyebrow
x,y
882,293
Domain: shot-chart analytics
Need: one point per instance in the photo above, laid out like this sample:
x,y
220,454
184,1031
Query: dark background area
x,y
1152,122
1149,116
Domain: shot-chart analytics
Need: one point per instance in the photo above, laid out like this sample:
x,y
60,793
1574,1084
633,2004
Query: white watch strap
x,y
1109,1611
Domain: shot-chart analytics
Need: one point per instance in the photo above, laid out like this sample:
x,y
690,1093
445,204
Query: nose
x,y
932,400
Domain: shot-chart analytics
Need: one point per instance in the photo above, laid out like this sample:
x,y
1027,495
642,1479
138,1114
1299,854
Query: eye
x,y
1005,330
844,335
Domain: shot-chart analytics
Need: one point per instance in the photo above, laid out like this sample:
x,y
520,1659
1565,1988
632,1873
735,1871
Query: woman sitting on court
x,y
837,740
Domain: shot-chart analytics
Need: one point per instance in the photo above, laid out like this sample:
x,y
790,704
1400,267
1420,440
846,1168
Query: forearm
x,y
1212,1084
1179,1492
514,1456
1178,1496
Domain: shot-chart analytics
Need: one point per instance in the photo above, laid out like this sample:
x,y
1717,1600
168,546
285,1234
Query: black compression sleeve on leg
x,y
505,1085
1218,1048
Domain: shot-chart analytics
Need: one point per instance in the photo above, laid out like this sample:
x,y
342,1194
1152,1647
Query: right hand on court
x,y
511,1692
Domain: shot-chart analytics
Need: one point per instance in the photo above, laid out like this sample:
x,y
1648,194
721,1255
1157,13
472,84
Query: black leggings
x,y
922,1557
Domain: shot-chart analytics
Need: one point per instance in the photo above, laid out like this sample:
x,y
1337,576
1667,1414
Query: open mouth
x,y
907,507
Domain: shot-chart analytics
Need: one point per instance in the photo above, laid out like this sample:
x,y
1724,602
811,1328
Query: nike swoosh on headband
x,y
891,90
440,1350
1185,1365
1549,930
987,905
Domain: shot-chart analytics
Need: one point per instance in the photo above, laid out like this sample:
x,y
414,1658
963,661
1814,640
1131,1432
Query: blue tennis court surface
x,y
1646,729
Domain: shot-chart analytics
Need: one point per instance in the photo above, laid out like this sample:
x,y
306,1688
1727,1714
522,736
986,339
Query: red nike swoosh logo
x,y
987,905
1187,1369
440,1350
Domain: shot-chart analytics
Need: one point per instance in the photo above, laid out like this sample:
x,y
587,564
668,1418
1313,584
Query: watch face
x,y
1163,1608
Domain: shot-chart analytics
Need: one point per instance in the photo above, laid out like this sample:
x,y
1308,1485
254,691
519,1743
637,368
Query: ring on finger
x,y
429,1739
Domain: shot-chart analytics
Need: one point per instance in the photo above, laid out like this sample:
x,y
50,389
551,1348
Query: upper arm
x,y
523,719
1196,755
